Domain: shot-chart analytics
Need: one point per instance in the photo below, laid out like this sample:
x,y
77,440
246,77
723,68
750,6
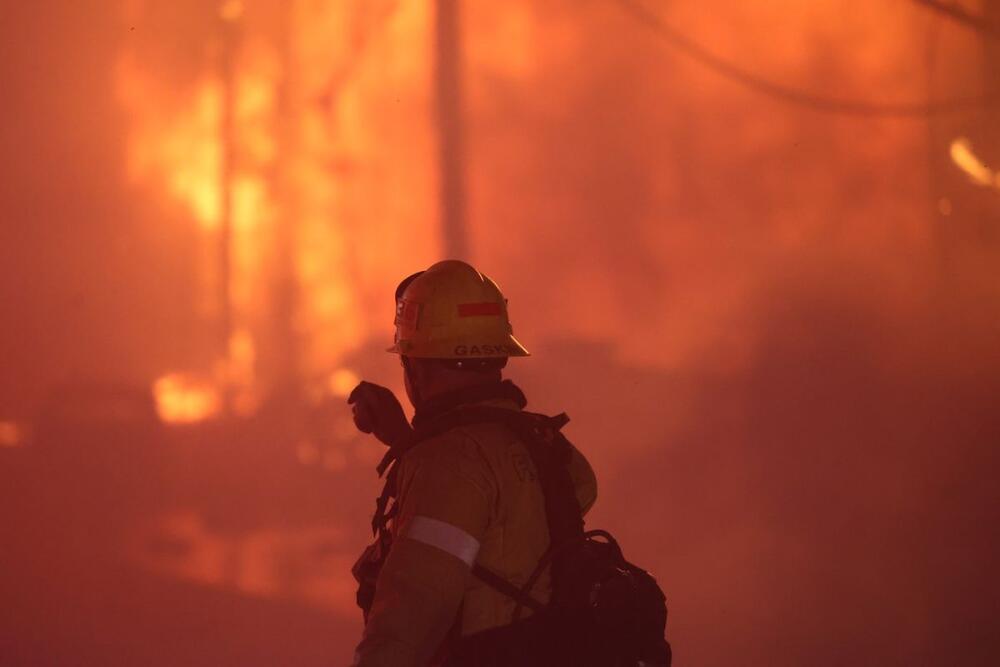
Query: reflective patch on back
x,y
444,536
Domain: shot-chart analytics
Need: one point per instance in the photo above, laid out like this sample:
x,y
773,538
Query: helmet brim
x,y
509,347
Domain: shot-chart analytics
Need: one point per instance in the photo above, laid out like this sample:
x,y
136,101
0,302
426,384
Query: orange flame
x,y
183,399
322,119
181,152
966,160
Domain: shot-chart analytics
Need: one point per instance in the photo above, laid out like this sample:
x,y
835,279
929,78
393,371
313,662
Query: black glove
x,y
376,410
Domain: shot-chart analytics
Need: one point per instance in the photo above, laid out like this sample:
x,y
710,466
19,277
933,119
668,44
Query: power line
x,y
759,84
959,15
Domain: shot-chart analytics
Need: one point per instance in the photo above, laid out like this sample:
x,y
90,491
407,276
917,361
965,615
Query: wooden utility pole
x,y
285,370
448,95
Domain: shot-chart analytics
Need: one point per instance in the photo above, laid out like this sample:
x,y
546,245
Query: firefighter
x,y
468,495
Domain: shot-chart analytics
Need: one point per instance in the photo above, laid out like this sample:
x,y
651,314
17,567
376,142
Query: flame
x,y
977,170
184,153
323,119
265,563
184,398
333,148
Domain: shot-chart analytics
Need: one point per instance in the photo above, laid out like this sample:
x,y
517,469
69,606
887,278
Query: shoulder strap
x,y
498,583
550,452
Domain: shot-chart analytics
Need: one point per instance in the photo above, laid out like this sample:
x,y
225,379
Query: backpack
x,y
603,611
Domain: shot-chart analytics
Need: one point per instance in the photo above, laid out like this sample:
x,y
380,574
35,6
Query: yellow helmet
x,y
451,311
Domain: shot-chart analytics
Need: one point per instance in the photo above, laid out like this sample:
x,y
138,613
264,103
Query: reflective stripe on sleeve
x,y
445,537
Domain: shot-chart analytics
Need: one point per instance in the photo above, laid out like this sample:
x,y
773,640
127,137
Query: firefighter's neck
x,y
427,379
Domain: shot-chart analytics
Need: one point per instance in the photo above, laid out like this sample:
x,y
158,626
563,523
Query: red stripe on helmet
x,y
478,309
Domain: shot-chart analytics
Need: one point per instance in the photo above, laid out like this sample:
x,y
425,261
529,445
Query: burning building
x,y
753,247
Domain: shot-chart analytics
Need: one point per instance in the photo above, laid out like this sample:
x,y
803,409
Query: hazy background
x,y
753,248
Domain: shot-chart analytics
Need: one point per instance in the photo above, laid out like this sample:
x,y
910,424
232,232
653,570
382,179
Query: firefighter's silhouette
x,y
480,556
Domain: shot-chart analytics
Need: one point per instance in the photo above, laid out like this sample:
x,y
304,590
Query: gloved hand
x,y
377,411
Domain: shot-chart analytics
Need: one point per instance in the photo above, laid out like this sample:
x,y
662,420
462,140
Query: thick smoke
x,y
780,356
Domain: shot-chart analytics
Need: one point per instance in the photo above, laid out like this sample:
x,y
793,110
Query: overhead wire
x,y
762,85
959,15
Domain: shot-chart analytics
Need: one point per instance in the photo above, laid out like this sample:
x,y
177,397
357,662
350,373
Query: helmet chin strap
x,y
408,370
